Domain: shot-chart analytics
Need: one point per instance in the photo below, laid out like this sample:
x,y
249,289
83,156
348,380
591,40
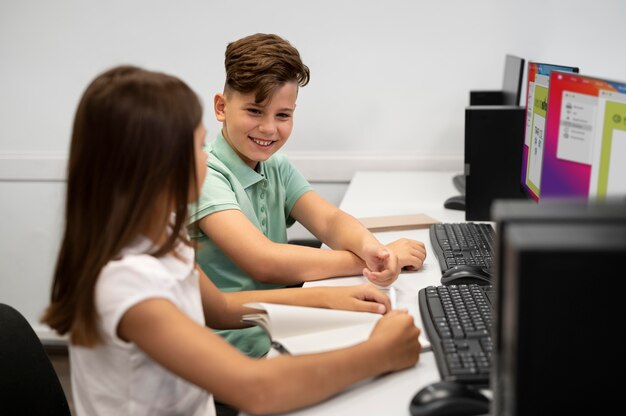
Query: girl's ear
x,y
219,105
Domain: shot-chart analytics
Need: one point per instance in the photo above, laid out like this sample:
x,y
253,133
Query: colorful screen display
x,y
608,164
585,138
537,87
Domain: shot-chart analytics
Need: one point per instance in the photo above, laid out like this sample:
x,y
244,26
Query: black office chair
x,y
29,384
308,242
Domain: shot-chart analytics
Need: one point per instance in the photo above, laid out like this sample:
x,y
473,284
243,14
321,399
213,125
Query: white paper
x,y
304,330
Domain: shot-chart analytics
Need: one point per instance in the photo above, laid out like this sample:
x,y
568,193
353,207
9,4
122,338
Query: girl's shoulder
x,y
137,261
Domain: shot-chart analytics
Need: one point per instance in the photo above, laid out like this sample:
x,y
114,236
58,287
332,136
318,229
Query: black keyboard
x,y
457,321
463,244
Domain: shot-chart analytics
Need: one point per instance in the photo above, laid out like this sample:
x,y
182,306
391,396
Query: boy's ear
x,y
219,105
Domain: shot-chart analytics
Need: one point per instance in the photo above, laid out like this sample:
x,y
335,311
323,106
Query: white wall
x,y
390,81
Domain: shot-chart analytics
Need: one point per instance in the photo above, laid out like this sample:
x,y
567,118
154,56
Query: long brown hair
x,y
132,150
262,63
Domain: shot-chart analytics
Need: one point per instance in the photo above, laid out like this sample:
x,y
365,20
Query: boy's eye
x,y
283,115
254,111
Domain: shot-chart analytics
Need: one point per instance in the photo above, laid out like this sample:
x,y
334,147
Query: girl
x,y
127,291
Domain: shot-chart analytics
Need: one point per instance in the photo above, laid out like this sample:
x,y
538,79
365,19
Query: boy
x,y
252,194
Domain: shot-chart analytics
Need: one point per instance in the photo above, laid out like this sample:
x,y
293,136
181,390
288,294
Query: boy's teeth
x,y
262,142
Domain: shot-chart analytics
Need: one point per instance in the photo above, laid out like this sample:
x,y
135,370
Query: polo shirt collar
x,y
244,174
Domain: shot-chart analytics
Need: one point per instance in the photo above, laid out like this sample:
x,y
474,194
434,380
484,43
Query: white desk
x,y
394,193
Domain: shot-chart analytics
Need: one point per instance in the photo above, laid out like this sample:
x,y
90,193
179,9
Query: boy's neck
x,y
256,168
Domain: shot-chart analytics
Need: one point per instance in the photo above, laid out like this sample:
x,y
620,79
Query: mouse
x,y
464,274
448,398
455,202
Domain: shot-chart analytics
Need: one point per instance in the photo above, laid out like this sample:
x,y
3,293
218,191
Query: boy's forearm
x,y
296,264
313,297
347,233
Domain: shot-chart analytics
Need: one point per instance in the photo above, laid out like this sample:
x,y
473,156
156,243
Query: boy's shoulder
x,y
216,166
215,163
278,159
279,165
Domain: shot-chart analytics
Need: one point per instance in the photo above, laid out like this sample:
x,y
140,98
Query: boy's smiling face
x,y
257,131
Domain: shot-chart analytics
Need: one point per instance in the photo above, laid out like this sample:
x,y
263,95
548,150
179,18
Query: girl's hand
x,y
397,337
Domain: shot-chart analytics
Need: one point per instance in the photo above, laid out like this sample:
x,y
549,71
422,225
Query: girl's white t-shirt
x,y
116,377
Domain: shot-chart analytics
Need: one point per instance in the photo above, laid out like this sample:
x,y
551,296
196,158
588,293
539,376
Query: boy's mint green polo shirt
x,y
266,199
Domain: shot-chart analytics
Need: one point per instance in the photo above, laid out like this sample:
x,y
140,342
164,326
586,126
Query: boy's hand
x,y
411,253
361,298
398,338
382,267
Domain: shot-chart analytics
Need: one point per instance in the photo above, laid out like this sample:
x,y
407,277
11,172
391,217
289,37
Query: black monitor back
x,y
512,81
556,310
511,92
509,95
493,157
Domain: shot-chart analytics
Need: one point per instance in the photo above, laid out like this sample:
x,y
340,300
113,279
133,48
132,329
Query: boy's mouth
x,y
262,143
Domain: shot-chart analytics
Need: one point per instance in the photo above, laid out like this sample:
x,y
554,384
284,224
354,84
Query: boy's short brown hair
x,y
262,63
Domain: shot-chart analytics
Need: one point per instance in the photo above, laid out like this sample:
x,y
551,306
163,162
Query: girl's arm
x,y
224,310
198,355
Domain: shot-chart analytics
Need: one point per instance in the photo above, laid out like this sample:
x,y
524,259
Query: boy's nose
x,y
267,126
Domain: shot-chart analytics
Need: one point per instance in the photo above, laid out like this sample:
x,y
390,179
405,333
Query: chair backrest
x,y
29,384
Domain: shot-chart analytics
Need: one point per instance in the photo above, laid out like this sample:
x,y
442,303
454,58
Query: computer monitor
x,y
511,91
537,87
585,138
556,306
512,81
509,95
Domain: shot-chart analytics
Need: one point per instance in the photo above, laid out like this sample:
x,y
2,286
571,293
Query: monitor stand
x,y
459,183
457,201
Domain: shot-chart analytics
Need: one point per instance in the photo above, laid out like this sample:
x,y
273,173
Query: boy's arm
x,y
341,231
270,262
224,310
